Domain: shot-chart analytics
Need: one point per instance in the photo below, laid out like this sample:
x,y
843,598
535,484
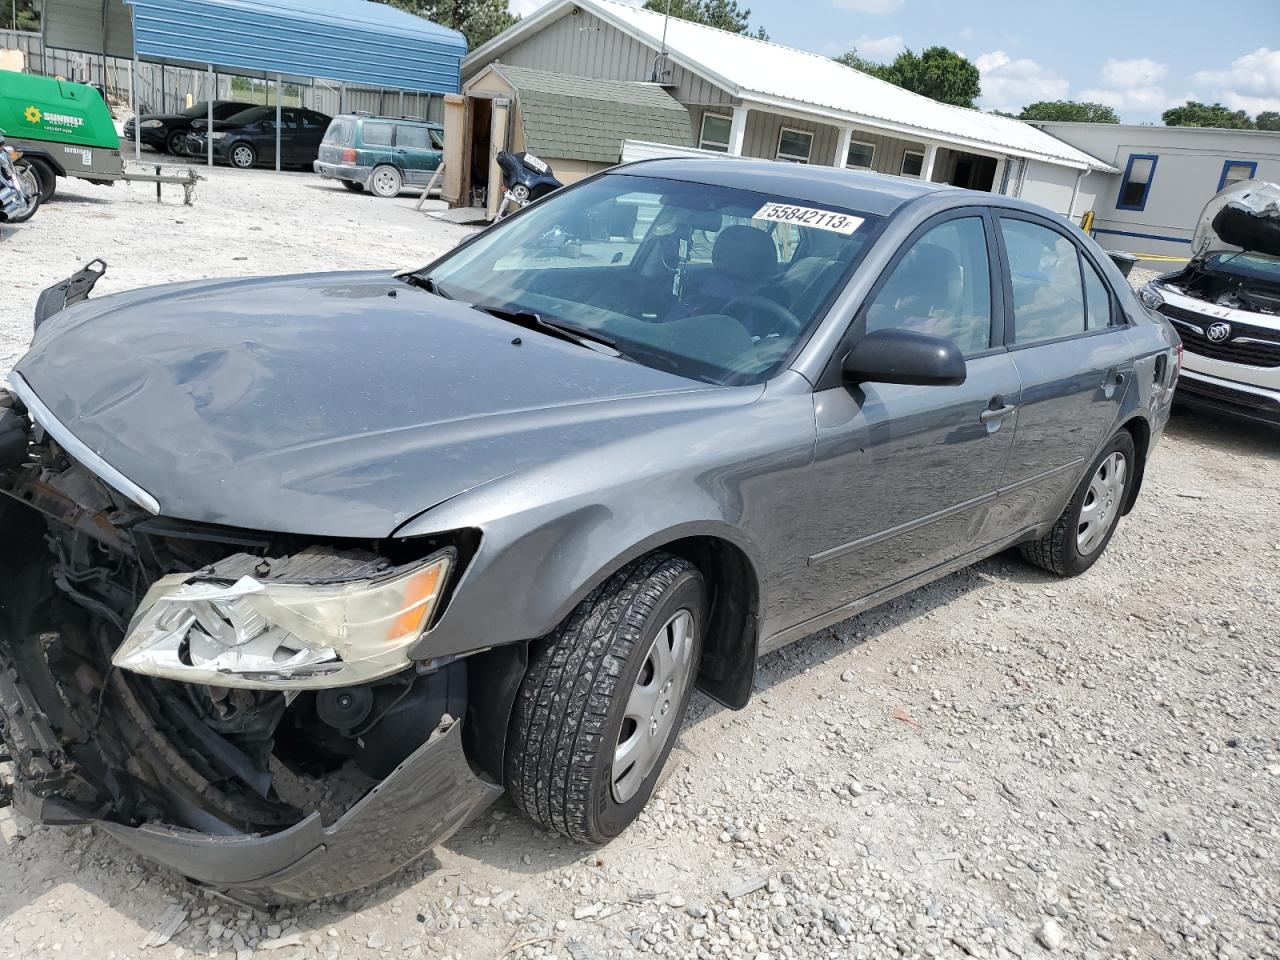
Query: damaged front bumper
x,y
424,801
421,804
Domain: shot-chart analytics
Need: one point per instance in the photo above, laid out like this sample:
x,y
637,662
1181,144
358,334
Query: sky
x,y
1140,59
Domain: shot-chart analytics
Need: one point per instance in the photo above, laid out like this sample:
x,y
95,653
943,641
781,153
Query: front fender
x,y
529,572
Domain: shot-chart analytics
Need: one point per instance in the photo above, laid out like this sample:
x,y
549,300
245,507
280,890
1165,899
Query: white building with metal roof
x,y
755,98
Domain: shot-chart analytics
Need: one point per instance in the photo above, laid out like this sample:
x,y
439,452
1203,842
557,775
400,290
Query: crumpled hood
x,y
1243,216
330,404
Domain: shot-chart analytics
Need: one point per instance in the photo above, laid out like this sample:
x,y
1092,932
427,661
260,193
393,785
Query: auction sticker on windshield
x,y
809,217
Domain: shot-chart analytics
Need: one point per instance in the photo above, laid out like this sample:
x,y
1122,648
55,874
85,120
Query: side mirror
x,y
904,356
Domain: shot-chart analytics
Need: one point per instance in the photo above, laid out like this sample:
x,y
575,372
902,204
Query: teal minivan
x,y
382,154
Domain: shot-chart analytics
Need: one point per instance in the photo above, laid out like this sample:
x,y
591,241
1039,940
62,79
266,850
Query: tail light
x,y
348,155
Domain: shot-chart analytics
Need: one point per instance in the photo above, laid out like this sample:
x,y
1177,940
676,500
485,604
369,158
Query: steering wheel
x,y
752,306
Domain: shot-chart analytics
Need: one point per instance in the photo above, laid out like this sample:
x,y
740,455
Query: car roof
x,y
875,193
371,116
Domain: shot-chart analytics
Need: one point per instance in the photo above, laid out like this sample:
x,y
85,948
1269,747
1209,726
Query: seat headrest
x,y
745,253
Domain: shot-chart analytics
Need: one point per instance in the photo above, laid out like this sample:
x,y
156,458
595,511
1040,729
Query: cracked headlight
x,y
1151,298
282,634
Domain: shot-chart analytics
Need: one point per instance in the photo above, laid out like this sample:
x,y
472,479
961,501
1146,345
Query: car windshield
x,y
709,282
195,111
1255,265
252,115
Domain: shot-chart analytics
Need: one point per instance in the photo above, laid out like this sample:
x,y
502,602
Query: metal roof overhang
x,y
350,41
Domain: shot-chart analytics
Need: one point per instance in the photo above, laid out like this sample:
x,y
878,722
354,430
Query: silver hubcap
x,y
30,182
243,157
385,182
653,705
1101,503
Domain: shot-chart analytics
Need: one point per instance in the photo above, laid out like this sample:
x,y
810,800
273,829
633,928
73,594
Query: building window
x,y
794,146
1136,185
861,154
1233,171
912,163
715,132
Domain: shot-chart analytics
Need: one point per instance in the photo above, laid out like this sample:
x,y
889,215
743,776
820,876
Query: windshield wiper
x,y
424,283
531,320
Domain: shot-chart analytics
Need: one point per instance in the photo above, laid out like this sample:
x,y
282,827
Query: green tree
x,y
721,14
1069,111
1268,120
479,20
28,16
937,73
1196,114
858,62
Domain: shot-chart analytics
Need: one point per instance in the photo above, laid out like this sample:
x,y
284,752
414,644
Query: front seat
x,y
922,297
744,261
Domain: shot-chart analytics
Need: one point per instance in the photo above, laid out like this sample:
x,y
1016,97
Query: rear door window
x,y
1097,300
437,139
1044,271
377,134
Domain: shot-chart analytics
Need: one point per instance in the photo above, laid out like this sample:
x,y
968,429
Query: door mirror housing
x,y
904,356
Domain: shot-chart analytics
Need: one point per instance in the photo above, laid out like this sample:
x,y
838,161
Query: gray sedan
x,y
408,541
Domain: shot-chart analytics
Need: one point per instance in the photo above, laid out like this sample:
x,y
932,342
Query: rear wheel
x,y
386,182
601,705
353,186
31,187
1085,528
43,174
243,156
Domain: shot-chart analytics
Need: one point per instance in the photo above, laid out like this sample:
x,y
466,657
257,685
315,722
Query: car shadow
x,y
1224,432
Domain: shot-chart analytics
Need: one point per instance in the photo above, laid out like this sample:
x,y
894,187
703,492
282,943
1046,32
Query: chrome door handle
x,y
986,416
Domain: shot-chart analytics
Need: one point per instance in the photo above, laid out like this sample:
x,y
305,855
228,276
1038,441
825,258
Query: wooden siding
x,y
586,46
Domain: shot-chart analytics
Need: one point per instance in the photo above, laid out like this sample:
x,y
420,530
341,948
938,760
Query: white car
x,y
1226,304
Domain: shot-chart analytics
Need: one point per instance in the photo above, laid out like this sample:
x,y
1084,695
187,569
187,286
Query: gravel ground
x,y
1000,765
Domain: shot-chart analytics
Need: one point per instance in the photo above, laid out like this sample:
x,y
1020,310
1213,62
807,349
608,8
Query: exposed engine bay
x,y
1225,289
94,741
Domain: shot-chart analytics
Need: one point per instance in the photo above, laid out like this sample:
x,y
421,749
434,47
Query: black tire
x,y
1058,551
45,174
353,186
569,712
242,156
174,141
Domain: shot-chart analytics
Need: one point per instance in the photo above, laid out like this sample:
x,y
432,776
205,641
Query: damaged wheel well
x,y
728,668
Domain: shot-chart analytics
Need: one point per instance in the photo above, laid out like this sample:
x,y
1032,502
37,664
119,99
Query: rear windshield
x,y
339,132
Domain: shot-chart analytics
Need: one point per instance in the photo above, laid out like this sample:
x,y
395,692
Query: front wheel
x,y
1085,528
173,143
601,705
243,156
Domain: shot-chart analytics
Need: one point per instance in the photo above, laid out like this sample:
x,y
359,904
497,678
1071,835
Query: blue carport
x,y
348,41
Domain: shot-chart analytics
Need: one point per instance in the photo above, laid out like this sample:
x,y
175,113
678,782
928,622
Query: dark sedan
x,y
487,525
248,138
168,131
